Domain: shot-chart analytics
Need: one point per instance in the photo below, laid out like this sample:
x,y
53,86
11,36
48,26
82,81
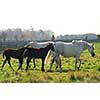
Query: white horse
x,y
72,49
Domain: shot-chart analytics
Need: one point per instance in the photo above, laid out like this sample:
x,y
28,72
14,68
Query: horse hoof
x,y
43,70
16,73
26,69
35,68
49,71
78,68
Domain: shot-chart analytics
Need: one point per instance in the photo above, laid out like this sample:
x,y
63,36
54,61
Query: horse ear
x,y
92,44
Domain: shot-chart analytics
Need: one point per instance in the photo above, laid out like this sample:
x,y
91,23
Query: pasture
x,y
89,72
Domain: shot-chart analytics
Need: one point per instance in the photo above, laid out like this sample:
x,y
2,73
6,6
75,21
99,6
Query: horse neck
x,y
47,49
22,49
86,45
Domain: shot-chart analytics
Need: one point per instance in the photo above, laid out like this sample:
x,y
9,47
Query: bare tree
x,y
4,36
16,38
22,37
32,30
0,38
98,36
86,38
1,44
53,38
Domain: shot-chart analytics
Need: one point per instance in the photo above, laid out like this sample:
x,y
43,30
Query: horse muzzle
x,y
93,54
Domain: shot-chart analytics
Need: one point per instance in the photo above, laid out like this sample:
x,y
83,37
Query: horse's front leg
x,y
34,63
76,61
43,65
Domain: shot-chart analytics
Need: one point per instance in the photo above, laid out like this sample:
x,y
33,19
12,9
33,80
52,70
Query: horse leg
x,y
43,65
58,60
52,63
4,64
28,61
20,65
76,61
79,64
57,65
34,63
10,64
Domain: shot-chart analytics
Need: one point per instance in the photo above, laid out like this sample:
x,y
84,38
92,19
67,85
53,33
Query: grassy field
x,y
89,72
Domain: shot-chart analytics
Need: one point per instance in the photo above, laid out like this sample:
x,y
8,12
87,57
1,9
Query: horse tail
x,y
47,57
25,53
3,54
30,44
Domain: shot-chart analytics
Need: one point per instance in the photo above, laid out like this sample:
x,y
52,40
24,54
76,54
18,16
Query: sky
x,y
60,16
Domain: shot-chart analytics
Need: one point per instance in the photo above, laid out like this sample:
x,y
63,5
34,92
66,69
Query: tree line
x,y
19,34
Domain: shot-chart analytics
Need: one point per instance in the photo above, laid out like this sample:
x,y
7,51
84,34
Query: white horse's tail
x,y
47,59
30,44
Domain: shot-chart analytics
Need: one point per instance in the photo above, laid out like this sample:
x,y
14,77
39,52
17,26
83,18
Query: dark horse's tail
x,y
3,54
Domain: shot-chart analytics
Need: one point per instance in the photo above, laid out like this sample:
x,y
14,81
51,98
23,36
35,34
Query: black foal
x,y
17,54
37,53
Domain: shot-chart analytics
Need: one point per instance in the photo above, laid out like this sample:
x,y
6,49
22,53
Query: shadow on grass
x,y
63,71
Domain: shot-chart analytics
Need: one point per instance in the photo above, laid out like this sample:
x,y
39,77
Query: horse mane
x,y
43,47
9,49
77,41
74,41
82,41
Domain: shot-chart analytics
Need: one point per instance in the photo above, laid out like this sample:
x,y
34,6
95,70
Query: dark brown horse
x,y
17,54
37,53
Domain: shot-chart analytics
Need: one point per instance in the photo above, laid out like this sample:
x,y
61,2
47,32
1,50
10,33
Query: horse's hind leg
x,y
3,64
34,63
42,66
20,65
10,64
28,61
52,63
59,63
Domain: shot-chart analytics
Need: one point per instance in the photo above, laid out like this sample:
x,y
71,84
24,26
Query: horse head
x,y
91,50
51,46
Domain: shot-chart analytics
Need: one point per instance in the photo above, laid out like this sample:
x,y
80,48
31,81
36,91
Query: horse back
x,y
68,49
12,53
36,53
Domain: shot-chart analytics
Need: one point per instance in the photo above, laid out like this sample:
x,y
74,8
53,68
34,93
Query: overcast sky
x,y
61,16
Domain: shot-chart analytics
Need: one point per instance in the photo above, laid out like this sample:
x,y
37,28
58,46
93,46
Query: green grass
x,y
89,72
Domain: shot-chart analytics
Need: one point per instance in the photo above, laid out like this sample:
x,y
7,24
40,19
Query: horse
x,y
14,53
37,53
38,45
72,49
